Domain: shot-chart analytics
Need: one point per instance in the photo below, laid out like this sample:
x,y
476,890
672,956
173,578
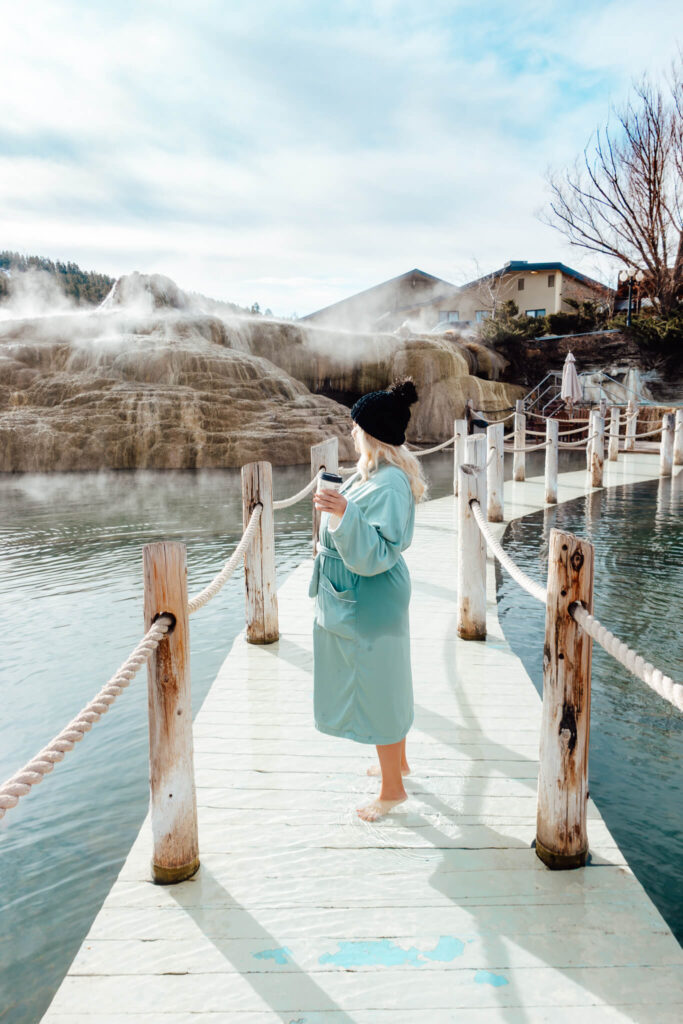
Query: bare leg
x,y
375,770
392,791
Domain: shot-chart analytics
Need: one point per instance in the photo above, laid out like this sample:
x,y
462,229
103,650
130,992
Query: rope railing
x,y
528,448
626,656
33,772
219,581
437,448
38,767
286,502
653,677
531,587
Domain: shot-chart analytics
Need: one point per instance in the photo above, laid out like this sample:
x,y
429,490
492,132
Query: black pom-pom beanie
x,y
385,414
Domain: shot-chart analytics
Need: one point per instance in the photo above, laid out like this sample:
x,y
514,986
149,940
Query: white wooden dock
x,y
302,913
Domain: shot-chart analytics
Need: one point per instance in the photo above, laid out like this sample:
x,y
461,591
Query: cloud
x,y
293,153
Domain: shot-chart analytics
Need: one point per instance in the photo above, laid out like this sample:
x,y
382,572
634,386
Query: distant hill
x,y
84,287
87,288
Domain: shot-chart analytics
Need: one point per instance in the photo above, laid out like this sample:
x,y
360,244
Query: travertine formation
x,y
151,381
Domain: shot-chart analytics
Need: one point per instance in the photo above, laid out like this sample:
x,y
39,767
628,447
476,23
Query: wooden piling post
x,y
597,448
666,448
552,435
460,434
324,455
678,439
561,838
471,580
631,426
494,472
603,408
173,803
519,458
613,450
259,558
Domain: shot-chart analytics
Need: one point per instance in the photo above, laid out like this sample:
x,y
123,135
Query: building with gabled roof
x,y
428,303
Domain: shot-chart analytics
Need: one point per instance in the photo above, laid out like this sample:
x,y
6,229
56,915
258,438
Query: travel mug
x,y
331,482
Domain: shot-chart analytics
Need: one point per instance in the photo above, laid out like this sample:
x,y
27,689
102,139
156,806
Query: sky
x,y
293,153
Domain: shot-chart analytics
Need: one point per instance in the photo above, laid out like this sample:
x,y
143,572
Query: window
x,y
535,312
482,314
450,316
520,284
551,280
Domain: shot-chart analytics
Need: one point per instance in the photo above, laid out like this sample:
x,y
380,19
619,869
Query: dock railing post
x,y
471,581
613,449
561,838
678,439
259,558
494,472
552,434
460,434
324,455
631,426
518,459
666,448
597,448
173,802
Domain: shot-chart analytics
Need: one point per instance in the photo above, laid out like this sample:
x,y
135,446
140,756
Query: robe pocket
x,y
336,609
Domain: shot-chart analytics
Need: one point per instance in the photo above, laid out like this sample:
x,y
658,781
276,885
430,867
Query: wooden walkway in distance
x,y
302,913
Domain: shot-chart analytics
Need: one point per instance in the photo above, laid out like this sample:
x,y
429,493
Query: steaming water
x,y
636,738
71,608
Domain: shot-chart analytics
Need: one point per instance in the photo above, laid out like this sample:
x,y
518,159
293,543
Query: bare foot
x,y
375,770
377,809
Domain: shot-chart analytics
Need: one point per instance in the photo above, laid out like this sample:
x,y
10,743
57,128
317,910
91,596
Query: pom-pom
x,y
405,390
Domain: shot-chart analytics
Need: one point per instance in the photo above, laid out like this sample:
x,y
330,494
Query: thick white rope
x,y
428,451
347,470
286,502
577,444
219,581
531,587
626,656
648,433
529,448
34,771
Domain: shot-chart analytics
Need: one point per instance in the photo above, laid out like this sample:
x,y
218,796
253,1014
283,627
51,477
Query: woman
x,y
363,687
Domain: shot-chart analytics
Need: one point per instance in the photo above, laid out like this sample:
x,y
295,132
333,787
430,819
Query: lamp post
x,y
631,275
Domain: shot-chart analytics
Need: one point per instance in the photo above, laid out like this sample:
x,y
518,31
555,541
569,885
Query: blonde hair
x,y
373,451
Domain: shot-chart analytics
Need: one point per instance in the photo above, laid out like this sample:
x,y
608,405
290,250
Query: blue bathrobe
x,y
363,687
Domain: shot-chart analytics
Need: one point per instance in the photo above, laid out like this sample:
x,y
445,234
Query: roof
x,y
423,277
519,266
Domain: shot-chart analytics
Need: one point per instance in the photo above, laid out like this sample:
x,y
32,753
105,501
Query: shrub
x,y
509,325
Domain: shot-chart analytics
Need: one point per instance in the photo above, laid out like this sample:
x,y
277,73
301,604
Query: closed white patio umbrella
x,y
571,387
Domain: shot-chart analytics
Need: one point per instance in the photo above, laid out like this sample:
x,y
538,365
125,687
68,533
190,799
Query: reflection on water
x,y
71,591
636,738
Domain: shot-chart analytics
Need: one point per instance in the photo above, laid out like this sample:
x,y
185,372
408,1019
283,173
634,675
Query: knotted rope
x,y
37,768
626,656
529,448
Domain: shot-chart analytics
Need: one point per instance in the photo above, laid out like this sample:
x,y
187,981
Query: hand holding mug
x,y
330,501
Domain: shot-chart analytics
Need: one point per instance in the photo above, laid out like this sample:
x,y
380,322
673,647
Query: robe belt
x,y
330,552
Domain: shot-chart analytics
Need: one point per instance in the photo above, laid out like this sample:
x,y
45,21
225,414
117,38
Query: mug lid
x,y
332,477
